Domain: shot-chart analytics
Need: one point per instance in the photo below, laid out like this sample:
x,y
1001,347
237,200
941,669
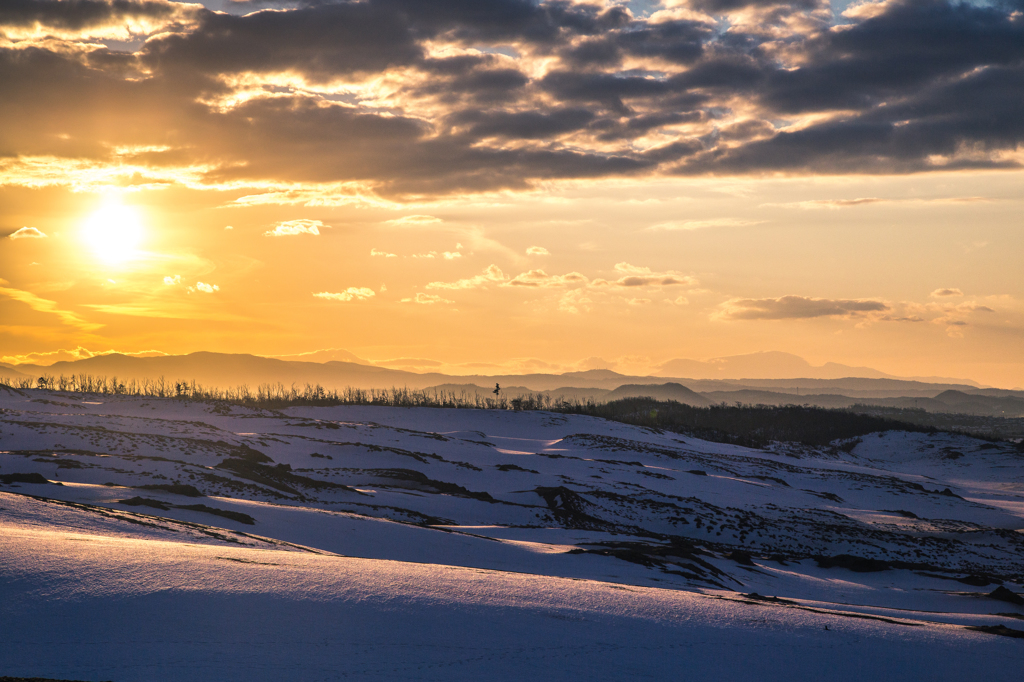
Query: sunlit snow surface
x,y
392,543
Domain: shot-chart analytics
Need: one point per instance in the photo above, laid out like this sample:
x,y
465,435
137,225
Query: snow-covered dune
x,y
148,539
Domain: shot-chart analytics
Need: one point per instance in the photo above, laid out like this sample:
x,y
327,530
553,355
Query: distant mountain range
x,y
224,370
950,401
776,365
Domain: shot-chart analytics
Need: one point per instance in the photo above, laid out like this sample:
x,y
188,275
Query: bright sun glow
x,y
114,232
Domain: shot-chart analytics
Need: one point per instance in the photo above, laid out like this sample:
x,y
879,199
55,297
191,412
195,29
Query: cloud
x,y
201,287
491,275
447,255
594,362
26,233
172,281
795,307
830,203
524,125
414,220
46,306
834,204
89,18
350,294
575,302
537,251
426,299
401,99
901,318
293,227
943,293
684,225
79,353
539,278
410,363
382,254
953,316
638,276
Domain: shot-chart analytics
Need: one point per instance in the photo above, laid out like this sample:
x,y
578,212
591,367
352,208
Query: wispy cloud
x,y
27,233
204,288
684,225
426,299
428,255
491,275
80,353
290,228
537,251
828,203
172,281
350,294
955,317
575,302
944,293
46,306
413,221
834,204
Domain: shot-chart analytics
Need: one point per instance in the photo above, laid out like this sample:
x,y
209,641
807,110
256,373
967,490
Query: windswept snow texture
x,y
146,539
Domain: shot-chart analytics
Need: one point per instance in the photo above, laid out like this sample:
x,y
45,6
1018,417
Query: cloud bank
x,y
402,98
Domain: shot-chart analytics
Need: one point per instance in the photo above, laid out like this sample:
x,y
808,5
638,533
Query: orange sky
x,y
167,190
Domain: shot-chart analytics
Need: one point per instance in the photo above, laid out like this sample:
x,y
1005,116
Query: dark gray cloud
x,y
323,42
470,80
651,280
681,42
521,91
977,113
524,125
505,20
82,14
912,44
726,6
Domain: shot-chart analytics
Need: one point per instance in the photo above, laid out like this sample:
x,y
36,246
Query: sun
x,y
114,233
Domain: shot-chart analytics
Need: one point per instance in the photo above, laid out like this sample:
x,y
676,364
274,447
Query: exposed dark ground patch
x,y
175,488
36,679
999,629
26,478
225,513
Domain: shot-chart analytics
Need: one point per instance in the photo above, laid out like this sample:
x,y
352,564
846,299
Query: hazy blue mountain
x,y
776,365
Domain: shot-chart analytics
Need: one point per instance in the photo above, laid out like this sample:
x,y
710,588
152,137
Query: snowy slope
x,y
469,543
